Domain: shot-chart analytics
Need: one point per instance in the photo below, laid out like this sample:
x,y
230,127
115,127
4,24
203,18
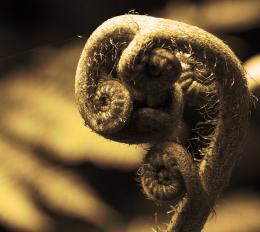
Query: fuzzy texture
x,y
160,66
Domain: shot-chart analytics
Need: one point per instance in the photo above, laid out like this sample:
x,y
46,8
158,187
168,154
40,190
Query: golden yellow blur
x,y
17,209
39,109
22,171
38,112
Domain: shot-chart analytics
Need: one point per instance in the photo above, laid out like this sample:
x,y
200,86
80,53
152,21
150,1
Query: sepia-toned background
x,y
58,176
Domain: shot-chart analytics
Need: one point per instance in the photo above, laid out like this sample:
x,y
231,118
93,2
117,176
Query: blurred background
x,y
55,174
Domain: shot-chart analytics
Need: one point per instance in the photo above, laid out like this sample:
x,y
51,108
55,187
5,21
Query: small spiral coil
x,y
160,178
112,105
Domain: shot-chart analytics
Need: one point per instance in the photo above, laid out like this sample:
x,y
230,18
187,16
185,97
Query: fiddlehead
x,y
163,66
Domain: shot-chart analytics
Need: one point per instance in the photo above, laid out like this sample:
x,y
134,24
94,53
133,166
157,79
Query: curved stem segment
x,y
227,139
196,204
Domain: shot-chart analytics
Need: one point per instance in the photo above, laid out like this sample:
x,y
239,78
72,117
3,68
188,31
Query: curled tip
x,y
160,178
157,70
164,64
112,107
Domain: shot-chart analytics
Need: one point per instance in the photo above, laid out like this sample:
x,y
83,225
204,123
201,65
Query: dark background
x,y
26,26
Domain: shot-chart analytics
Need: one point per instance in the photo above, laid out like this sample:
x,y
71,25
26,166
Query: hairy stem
x,y
135,76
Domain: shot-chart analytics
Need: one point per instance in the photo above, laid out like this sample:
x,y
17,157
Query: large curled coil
x,y
151,67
